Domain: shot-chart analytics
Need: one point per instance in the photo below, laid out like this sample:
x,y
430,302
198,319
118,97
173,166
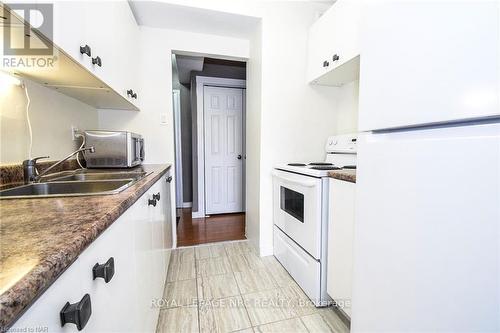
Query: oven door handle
x,y
280,176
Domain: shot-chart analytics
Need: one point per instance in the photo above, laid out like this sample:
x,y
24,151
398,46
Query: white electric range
x,y
300,209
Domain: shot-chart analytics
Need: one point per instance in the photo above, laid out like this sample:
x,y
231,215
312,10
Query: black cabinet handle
x,y
77,313
156,196
86,50
169,179
239,157
97,61
335,57
326,63
131,93
105,271
152,202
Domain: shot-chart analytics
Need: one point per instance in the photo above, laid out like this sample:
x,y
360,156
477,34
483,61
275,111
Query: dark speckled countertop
x,y
349,175
40,238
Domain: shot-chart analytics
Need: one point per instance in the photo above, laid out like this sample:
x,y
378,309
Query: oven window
x,y
293,203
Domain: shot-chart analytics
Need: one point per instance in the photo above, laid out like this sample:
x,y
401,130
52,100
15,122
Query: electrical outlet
x,y
74,130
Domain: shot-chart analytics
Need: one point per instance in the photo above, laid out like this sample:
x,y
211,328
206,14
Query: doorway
x,y
209,124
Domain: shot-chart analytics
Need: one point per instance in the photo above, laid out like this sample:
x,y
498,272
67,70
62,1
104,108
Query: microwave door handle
x,y
310,183
141,150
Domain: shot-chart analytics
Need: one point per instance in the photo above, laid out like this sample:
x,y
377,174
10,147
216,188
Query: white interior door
x,y
223,124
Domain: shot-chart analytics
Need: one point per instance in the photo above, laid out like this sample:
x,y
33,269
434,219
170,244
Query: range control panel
x,y
345,143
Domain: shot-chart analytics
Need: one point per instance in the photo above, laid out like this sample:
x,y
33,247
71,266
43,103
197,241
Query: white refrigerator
x,y
427,230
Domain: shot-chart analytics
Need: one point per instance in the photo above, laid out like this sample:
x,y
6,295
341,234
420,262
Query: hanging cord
x,y
30,130
81,146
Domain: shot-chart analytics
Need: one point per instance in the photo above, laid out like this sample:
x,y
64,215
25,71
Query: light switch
x,y
163,118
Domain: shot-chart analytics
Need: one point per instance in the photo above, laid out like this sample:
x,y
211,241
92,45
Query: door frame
x,y
201,82
179,189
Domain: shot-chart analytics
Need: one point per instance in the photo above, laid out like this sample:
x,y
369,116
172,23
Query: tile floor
x,y
227,287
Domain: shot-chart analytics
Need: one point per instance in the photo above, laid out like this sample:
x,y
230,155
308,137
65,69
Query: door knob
x,y
239,157
169,179
152,202
156,196
335,57
105,271
326,63
77,313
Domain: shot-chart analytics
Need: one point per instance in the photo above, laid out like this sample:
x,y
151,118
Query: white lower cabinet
x,y
132,255
340,242
44,314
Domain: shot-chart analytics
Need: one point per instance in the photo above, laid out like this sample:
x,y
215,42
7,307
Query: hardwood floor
x,y
216,228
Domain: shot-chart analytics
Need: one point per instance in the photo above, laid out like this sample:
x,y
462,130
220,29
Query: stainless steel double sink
x,y
76,183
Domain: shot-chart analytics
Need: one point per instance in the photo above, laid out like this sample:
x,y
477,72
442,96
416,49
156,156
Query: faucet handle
x,y
32,162
39,158
29,169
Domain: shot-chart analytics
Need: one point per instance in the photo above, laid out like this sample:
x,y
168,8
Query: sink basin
x,y
98,176
67,188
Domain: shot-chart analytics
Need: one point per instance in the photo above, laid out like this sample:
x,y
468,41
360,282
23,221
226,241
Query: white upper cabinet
x,y
334,45
69,29
426,62
102,36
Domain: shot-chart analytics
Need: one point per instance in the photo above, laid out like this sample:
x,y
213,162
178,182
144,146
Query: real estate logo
x,y
27,36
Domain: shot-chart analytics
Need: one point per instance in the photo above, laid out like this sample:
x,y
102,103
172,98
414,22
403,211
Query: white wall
x,y
52,115
346,110
156,86
252,140
296,117
287,120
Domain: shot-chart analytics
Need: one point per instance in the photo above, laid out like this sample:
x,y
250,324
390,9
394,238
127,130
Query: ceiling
x,y
172,16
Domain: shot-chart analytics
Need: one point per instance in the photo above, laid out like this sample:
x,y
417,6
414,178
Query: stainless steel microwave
x,y
114,149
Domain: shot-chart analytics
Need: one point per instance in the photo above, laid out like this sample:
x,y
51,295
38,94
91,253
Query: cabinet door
x,y
334,41
115,242
345,32
319,47
340,242
44,313
101,32
69,29
440,64
143,260
169,229
126,51
157,239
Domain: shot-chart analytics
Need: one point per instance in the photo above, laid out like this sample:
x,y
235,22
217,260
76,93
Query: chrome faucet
x,y
31,174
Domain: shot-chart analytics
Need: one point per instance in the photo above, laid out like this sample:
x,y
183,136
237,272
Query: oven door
x,y
297,201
